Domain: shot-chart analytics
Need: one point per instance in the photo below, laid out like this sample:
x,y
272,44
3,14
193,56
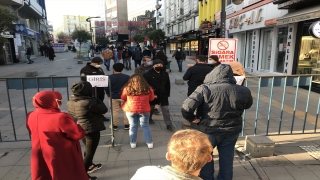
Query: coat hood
x,y
82,88
47,100
220,74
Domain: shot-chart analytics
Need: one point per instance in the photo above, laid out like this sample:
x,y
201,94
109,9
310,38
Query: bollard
x,y
259,146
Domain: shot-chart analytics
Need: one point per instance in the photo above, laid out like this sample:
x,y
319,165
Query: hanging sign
x,y
225,49
314,29
98,80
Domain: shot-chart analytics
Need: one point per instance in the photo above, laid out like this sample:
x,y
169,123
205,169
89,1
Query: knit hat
x,y
237,68
81,88
97,60
47,100
157,61
214,57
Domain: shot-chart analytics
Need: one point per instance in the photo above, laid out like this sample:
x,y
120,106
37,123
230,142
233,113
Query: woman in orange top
x,y
136,95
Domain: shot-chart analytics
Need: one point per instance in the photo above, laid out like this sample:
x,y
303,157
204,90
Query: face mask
x,y
149,63
58,103
97,66
178,50
210,62
159,68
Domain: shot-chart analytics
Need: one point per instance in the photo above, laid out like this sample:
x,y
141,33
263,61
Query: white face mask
x,y
97,66
179,50
210,62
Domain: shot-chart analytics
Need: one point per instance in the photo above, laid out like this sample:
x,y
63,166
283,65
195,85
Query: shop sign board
x,y
250,2
225,49
289,3
98,80
298,18
58,47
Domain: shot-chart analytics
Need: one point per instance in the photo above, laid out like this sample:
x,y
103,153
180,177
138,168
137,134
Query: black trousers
x,y
91,142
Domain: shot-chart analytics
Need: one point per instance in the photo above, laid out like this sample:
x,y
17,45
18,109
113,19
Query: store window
x,y
266,50
173,46
281,49
309,59
185,47
194,45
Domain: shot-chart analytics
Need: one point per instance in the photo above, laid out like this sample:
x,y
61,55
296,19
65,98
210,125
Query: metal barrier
x,y
280,107
41,83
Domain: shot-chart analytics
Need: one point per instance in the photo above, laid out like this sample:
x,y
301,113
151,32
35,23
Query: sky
x,y
57,8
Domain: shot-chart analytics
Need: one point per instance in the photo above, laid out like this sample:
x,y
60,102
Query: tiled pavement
x,y
120,162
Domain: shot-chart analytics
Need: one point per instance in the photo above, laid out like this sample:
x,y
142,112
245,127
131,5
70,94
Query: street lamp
x,y
88,20
224,16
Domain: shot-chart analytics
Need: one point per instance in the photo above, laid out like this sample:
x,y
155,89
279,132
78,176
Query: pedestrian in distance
x,y
45,50
162,56
205,51
146,52
41,49
88,112
137,57
56,152
94,68
126,55
188,150
180,56
115,56
51,53
137,94
145,67
215,108
117,80
28,54
107,56
159,80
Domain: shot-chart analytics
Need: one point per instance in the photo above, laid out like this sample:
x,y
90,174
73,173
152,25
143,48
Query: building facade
x,y
116,21
71,22
98,30
30,30
181,21
262,42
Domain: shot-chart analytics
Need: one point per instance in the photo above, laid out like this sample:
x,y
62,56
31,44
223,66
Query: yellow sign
x,y
83,18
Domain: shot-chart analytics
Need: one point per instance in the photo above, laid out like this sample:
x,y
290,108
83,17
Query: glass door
x,y
281,49
266,51
242,48
249,50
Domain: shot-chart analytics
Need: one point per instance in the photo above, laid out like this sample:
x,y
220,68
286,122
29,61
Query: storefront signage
x,y
230,9
298,18
225,49
58,47
23,30
289,44
206,24
237,22
314,29
250,2
254,50
288,3
270,22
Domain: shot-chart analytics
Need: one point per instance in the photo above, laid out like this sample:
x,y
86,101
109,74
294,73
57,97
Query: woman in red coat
x,y
56,152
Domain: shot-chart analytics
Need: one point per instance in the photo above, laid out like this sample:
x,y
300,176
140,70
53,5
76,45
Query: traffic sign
x,y
225,49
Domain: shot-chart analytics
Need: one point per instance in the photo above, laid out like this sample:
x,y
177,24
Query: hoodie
x,y
86,109
219,103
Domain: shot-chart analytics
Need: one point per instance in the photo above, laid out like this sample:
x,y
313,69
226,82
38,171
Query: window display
x,y
173,46
309,59
194,45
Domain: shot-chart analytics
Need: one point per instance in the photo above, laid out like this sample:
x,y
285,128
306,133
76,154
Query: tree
x,y
157,35
7,17
62,36
138,38
102,41
82,36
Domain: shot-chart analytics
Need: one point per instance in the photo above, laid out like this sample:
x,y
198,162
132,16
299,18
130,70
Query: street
x,y
121,162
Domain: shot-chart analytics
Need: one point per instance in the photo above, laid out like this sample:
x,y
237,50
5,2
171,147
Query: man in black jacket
x,y
196,74
219,103
159,80
94,68
28,53
126,55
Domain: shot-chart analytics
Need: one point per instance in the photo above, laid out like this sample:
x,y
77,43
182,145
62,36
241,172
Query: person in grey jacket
x,y
188,150
219,104
88,112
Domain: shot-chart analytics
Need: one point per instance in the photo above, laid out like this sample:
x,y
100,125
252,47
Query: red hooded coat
x,y
56,151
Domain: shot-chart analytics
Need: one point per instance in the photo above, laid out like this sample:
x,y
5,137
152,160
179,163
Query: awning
x,y
300,15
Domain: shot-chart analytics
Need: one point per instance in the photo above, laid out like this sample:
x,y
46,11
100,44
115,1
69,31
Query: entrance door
x,y
249,50
8,53
266,50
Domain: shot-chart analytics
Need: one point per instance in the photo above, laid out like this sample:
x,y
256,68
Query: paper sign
x,y
225,49
98,81
239,79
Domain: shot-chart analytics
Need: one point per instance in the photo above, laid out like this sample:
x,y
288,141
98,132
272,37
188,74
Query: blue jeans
x,y
225,144
28,58
107,63
134,119
180,64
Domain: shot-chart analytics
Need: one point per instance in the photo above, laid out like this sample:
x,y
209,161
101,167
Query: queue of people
x,y
213,109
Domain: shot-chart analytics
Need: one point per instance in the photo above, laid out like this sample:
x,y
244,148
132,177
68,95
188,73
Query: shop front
x,y
261,43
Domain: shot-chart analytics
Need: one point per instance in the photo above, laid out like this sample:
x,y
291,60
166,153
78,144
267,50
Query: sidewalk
x,y
121,162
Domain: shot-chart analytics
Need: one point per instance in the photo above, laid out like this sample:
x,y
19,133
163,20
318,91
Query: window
x,y
309,57
194,45
266,51
281,49
173,46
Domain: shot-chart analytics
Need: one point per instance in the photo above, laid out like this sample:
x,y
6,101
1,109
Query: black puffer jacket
x,y
86,109
219,103
195,76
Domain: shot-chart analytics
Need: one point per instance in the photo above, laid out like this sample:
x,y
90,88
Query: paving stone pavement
x,y
121,162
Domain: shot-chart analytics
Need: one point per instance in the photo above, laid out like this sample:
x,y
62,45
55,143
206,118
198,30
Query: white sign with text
x,y
224,48
98,80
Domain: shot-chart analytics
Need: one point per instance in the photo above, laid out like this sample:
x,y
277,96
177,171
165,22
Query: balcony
x,y
32,9
12,2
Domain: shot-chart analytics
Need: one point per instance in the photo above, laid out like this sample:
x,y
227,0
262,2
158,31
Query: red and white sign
x,y
225,49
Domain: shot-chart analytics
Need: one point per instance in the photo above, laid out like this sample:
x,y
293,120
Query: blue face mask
x,y
149,63
210,62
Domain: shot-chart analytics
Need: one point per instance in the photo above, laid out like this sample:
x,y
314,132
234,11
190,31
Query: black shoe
x,y
115,128
32,62
171,128
92,178
151,121
126,127
29,63
156,112
106,119
94,168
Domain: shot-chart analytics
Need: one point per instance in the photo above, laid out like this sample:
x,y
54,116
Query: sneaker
x,y
133,145
115,128
126,127
150,145
151,121
156,112
94,168
171,128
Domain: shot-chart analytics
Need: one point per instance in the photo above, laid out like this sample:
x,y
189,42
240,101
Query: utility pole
x,y
223,19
